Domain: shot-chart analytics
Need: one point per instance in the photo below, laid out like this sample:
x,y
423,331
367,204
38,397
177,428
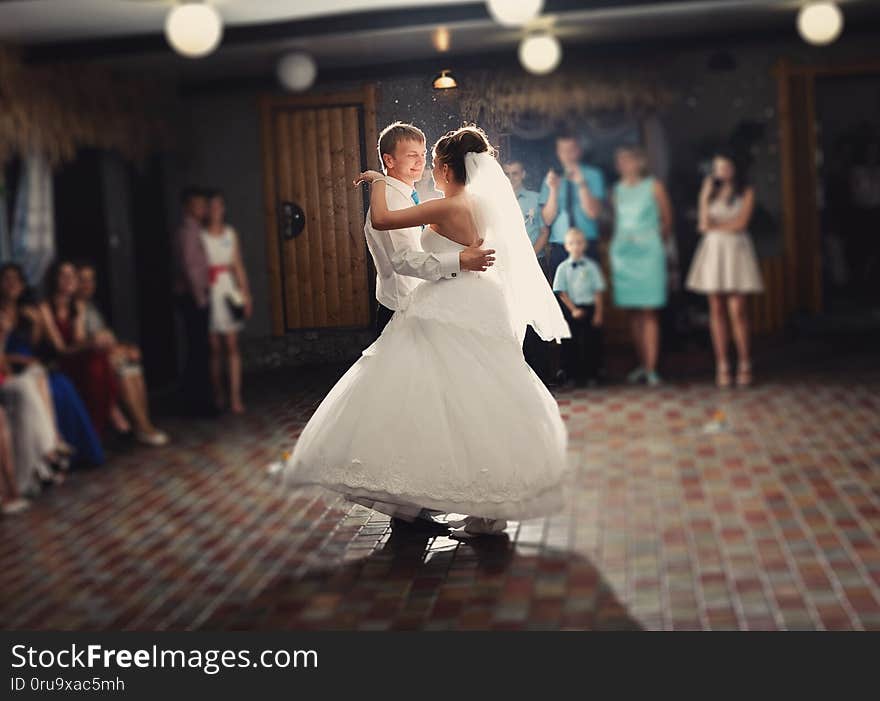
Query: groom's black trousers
x,y
537,354
383,316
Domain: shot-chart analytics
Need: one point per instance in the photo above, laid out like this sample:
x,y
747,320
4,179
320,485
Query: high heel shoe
x,y
60,458
636,376
50,472
722,376
652,379
744,374
61,463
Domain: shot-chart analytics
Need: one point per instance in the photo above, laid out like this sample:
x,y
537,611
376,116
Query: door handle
x,y
292,220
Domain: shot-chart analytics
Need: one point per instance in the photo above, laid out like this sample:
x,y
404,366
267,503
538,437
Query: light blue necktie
x,y
415,198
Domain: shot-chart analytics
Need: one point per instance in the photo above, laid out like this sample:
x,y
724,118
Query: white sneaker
x,y
155,439
15,506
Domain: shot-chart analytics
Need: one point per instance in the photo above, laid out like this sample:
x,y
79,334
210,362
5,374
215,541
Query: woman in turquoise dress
x,y
642,220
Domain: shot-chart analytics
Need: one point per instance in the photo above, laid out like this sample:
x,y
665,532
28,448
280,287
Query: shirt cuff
x,y
450,264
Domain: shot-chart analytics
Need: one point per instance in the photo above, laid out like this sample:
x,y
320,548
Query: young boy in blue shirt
x,y
580,285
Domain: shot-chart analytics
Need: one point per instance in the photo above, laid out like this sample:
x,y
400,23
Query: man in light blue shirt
x,y
528,204
535,350
571,200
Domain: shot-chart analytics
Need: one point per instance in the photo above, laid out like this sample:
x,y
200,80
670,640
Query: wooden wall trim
x,y
318,99
811,268
270,197
371,131
786,160
802,261
823,70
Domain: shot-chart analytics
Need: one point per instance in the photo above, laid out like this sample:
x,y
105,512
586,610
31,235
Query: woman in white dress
x,y
725,266
442,413
10,500
230,300
40,454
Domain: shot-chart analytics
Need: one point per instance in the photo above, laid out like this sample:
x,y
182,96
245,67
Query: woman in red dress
x,y
87,364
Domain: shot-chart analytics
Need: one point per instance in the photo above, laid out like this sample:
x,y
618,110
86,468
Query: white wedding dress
x,y
442,412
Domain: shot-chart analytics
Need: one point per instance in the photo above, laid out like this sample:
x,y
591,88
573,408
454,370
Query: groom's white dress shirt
x,y
401,264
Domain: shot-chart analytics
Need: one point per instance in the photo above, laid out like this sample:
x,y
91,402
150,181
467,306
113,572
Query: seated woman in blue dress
x,y
21,344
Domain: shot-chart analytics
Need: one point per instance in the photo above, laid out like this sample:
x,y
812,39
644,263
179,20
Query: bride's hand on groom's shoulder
x,y
368,176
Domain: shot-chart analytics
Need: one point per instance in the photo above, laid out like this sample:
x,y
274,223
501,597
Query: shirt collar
x,y
400,186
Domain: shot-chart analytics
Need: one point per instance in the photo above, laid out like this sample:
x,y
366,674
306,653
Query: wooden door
x,y
798,151
800,177
313,148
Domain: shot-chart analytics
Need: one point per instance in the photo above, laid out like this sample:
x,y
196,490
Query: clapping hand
x,y
368,176
576,175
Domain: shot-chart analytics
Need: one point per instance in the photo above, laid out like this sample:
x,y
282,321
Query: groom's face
x,y
408,161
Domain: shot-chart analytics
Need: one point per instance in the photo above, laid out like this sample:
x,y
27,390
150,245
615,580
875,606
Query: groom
x,y
401,265
400,262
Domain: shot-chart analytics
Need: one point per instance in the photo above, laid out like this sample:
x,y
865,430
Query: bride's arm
x,y
384,219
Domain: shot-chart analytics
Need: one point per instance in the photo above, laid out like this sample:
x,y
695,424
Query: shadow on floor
x,y
415,582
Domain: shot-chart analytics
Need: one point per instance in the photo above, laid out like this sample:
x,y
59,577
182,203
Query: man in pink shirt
x,y
191,289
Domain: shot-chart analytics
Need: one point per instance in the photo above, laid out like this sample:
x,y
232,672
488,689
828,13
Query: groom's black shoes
x,y
421,525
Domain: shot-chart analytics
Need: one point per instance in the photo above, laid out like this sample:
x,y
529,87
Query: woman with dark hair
x,y
725,266
230,300
442,413
22,338
87,364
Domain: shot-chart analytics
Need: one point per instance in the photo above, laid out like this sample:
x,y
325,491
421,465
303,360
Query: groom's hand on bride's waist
x,y
475,258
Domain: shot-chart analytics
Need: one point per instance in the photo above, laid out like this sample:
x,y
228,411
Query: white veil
x,y
529,298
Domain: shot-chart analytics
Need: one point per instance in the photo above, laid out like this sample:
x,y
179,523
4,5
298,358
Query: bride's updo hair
x,y
451,149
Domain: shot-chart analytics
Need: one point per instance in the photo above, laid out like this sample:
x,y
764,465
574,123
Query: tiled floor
x,y
771,522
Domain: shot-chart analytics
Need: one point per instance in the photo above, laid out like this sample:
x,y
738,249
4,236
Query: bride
x,y
442,414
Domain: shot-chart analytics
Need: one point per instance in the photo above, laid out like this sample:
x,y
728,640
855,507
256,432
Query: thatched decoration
x,y
498,101
59,108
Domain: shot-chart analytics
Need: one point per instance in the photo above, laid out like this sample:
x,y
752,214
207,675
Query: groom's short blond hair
x,y
395,133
